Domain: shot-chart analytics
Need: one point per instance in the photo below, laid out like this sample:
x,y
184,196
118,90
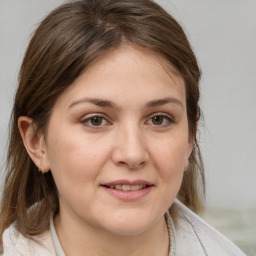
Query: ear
x,y
34,143
190,147
191,143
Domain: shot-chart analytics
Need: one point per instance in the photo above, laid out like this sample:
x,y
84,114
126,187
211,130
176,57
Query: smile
x,y
128,190
128,187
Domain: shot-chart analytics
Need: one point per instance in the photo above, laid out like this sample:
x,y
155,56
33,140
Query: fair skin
x,y
121,123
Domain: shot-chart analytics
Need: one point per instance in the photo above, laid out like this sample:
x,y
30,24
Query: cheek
x,y
73,158
75,168
76,163
170,157
169,162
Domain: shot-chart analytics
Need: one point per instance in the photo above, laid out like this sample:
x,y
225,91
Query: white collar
x,y
56,241
169,223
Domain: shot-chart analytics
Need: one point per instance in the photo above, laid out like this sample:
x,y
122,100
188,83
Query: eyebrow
x,y
97,102
110,104
160,102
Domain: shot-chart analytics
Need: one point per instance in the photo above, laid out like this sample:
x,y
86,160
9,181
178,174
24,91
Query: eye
x,y
160,120
95,121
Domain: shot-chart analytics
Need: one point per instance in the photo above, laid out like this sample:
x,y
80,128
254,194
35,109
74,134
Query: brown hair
x,y
67,41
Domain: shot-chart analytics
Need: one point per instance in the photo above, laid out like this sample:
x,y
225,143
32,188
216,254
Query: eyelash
x,y
88,121
165,118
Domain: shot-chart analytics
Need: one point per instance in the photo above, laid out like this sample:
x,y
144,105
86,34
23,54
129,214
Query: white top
x,y
56,242
189,236
169,223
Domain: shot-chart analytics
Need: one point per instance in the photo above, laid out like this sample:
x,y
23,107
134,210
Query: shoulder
x,y
14,243
196,237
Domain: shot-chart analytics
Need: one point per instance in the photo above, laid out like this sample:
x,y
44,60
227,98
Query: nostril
x,y
123,163
130,157
132,164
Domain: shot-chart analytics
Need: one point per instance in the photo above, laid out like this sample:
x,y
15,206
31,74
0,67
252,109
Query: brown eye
x,y
96,121
160,120
157,120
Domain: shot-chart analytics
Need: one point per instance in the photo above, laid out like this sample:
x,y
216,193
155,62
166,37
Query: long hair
x,y
64,45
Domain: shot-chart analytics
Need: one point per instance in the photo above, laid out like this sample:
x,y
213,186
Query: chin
x,y
129,230
131,226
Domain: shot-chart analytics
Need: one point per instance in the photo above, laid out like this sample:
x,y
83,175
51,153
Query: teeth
x,y
128,187
137,187
118,187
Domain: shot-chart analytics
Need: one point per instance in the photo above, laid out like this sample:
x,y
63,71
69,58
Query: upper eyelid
x,y
87,124
102,115
161,114
86,119
170,120
89,116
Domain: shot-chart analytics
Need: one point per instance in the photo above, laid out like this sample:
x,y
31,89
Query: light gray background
x,y
223,35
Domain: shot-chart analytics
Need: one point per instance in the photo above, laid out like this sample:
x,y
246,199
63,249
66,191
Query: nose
x,y
130,148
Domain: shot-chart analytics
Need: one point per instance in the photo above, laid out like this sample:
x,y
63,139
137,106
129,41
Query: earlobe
x,y
34,143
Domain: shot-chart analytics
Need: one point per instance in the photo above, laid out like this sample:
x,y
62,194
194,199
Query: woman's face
x,y
117,143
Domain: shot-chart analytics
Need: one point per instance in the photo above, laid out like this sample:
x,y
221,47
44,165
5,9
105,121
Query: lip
x,y
130,195
128,182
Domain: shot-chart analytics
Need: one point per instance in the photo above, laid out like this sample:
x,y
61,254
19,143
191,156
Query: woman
x,y
103,157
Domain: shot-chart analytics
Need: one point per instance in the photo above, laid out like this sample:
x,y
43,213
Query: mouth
x,y
126,187
128,190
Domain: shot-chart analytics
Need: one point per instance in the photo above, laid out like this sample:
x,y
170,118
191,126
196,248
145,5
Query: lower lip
x,y
131,195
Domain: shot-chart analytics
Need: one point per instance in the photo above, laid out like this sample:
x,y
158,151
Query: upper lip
x,y
128,182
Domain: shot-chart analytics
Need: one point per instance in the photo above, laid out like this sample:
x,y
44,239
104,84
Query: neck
x,y
76,240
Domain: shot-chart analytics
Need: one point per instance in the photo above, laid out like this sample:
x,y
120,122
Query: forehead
x,y
130,71
129,55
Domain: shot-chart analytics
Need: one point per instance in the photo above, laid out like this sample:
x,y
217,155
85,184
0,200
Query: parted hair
x,y
65,44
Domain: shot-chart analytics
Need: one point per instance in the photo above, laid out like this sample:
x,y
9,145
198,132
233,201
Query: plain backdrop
x,y
223,36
